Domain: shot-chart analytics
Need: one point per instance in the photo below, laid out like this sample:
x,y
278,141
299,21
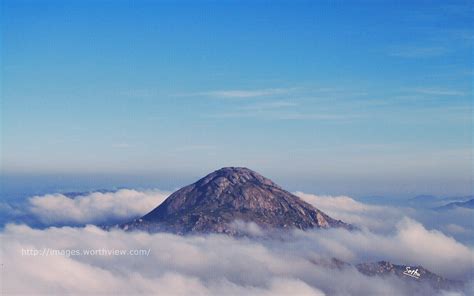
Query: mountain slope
x,y
417,273
217,201
460,204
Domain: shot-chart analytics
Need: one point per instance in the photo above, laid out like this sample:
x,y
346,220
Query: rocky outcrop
x,y
409,273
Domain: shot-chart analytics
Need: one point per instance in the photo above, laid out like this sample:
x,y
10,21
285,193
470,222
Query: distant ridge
x,y
460,204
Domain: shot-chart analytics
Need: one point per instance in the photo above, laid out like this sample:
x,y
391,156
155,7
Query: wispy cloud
x,y
122,145
269,105
196,147
417,51
242,93
315,116
284,115
439,92
249,93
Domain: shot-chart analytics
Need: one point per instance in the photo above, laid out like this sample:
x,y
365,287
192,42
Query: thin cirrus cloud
x,y
417,51
439,92
283,115
197,147
249,93
290,104
242,93
269,105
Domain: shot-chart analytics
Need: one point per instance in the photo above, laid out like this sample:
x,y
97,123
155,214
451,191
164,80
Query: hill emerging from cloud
x,y
222,199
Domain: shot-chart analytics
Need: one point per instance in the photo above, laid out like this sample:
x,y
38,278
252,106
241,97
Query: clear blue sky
x,y
363,98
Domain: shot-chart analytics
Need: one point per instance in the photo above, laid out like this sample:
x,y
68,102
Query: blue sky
x,y
373,98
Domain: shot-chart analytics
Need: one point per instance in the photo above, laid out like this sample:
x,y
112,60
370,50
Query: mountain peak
x,y
231,176
235,169
228,195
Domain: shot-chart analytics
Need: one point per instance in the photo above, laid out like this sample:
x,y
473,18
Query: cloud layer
x,y
214,264
294,263
94,208
372,217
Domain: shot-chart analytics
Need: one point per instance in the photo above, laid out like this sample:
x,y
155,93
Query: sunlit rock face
x,y
228,198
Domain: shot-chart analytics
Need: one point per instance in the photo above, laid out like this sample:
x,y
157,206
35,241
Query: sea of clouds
x,y
94,207
293,264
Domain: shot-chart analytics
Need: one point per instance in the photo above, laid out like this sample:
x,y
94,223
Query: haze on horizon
x,y
328,98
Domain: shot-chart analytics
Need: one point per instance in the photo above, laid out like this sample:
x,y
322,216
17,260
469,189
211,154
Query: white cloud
x,y
262,106
177,265
372,217
218,264
440,92
417,51
122,145
455,222
197,147
277,114
389,235
248,228
238,93
454,228
293,263
410,243
95,208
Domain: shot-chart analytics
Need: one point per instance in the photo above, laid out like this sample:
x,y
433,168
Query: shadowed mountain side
x,y
416,273
418,276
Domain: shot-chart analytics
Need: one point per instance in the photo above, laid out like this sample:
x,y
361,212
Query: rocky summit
x,y
407,273
232,200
